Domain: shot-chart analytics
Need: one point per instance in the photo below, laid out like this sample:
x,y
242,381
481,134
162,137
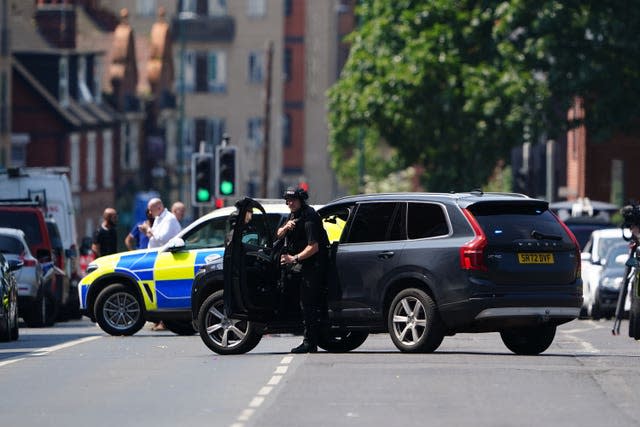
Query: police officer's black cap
x,y
295,193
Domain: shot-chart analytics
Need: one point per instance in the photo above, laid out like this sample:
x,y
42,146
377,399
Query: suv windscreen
x,y
25,221
10,245
503,223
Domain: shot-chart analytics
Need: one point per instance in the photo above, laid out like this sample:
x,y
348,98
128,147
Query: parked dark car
x,y
583,226
419,266
8,299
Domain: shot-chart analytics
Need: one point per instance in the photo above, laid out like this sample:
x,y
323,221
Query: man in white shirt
x,y
165,226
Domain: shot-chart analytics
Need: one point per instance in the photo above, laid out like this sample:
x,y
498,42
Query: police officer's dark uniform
x,y
306,269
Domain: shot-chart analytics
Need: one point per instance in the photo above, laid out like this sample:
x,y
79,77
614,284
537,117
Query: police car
x,y
122,291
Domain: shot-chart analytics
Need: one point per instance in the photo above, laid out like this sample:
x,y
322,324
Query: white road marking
x,y
259,398
45,351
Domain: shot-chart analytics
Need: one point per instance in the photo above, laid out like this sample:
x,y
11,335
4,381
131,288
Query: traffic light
x,y
226,181
201,179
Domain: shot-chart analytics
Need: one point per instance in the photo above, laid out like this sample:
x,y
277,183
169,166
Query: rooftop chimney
x,y
56,21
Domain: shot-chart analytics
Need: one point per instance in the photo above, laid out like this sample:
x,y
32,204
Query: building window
x,y
217,7
97,79
92,161
107,158
256,8
286,130
217,71
19,143
189,57
146,8
4,106
256,67
189,6
288,58
63,81
74,161
254,132
84,94
288,7
129,148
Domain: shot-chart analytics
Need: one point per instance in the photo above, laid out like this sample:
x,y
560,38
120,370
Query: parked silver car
x,y
31,278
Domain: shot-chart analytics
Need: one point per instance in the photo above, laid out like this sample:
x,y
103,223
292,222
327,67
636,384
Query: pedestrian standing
x,y
137,239
304,257
178,210
165,225
105,238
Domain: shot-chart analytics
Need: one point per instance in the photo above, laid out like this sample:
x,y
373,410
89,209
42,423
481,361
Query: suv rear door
x,y
369,249
526,244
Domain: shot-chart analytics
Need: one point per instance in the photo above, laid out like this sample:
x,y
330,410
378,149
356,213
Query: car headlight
x,y
91,268
612,283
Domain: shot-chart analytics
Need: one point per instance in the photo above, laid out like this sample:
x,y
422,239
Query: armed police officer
x,y
304,257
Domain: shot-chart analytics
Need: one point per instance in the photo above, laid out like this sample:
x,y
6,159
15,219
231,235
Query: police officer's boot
x,y
305,347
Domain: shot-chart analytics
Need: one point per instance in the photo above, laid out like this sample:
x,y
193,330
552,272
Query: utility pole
x,y
267,121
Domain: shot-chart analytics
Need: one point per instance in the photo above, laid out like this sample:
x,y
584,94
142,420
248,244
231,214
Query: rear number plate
x,y
535,258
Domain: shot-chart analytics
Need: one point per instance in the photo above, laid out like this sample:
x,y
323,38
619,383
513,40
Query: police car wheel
x,y
528,341
414,323
118,310
222,334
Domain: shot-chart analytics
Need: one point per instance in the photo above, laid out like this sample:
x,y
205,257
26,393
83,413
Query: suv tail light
x,y
472,252
578,267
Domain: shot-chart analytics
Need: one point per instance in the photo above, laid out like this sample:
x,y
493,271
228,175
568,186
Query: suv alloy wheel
x,y
222,334
414,323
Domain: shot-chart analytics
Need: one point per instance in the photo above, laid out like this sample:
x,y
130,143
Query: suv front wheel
x,y
414,323
222,334
528,341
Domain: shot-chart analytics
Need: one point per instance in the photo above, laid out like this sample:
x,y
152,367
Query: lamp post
x,y
182,16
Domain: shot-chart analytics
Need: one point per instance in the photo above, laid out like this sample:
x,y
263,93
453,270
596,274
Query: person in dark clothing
x,y
105,239
305,256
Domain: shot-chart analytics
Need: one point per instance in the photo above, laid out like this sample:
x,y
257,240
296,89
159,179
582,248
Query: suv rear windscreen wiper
x,y
541,236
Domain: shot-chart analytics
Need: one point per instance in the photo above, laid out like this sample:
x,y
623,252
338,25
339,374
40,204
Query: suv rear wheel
x,y
528,341
222,334
118,310
414,323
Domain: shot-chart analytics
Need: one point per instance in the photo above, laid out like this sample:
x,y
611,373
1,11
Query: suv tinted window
x,y
377,222
426,220
504,223
27,222
10,245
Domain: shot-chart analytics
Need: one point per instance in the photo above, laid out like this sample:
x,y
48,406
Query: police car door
x,y
251,268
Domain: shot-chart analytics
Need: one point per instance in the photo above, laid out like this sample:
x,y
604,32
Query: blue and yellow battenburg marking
x,y
164,278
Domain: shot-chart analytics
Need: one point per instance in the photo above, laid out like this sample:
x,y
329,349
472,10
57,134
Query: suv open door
x,y
251,265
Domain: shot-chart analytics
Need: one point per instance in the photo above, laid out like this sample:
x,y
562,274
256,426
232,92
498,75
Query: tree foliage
x,y
452,85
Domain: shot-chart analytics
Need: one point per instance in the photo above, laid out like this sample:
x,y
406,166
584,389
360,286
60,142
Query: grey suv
x,y
419,266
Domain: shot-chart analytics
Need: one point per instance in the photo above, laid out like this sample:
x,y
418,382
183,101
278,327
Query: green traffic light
x,y
226,188
203,195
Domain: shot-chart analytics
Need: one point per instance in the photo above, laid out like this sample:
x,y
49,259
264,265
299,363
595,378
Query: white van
x,y
52,185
